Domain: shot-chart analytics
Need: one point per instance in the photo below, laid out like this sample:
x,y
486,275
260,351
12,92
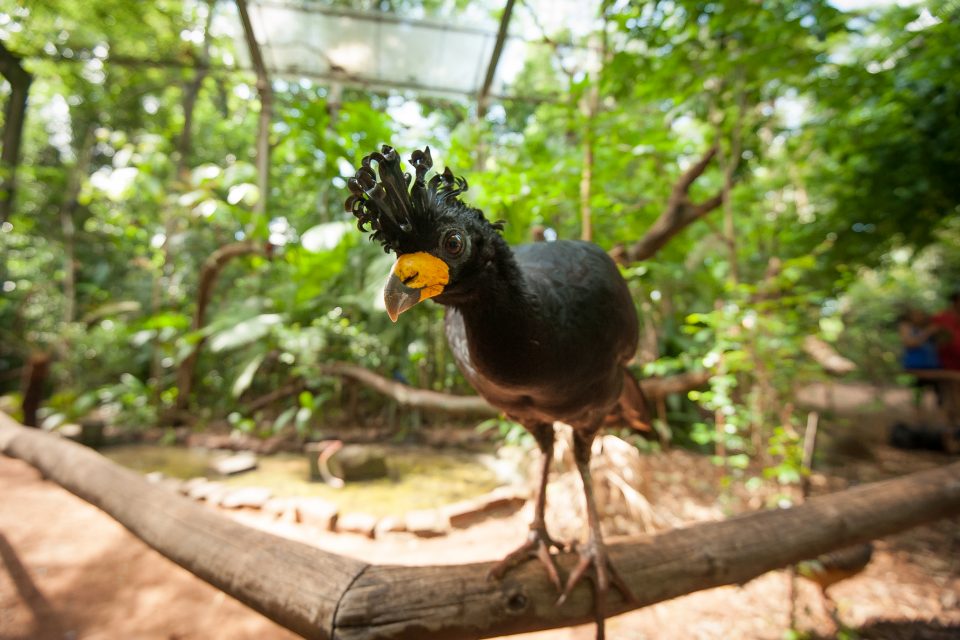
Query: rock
x,y
332,461
390,524
283,508
249,497
70,431
427,523
235,464
158,478
359,462
91,432
317,512
467,512
9,404
212,492
363,523
190,484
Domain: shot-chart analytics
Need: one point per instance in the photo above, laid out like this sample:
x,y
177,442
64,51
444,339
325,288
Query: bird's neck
x,y
501,314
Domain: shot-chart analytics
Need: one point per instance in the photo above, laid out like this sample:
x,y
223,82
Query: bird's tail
x,y
632,409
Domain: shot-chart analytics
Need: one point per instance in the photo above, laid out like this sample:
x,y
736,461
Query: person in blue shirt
x,y
918,335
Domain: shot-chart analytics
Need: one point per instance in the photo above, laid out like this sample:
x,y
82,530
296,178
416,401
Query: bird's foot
x,y
537,545
594,554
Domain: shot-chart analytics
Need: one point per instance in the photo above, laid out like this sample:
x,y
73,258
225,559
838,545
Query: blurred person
x,y
919,335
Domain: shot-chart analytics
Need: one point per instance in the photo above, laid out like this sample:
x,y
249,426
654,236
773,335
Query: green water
x,y
420,478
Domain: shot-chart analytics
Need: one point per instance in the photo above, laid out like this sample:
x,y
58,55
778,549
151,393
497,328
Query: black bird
x,y
543,331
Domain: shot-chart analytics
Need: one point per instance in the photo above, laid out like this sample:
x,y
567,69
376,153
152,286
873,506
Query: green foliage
x,y
843,206
510,432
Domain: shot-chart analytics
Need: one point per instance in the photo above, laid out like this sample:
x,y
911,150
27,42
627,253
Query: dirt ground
x,y
72,572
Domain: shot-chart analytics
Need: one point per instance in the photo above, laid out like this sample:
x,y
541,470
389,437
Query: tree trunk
x,y
14,117
181,174
265,92
324,595
589,108
68,226
34,378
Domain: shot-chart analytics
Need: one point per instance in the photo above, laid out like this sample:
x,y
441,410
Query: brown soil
x,y
70,571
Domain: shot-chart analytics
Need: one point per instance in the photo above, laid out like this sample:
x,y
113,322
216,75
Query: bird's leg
x,y
538,542
830,606
593,553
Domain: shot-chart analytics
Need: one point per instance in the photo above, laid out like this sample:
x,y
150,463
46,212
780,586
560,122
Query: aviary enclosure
x,y
663,292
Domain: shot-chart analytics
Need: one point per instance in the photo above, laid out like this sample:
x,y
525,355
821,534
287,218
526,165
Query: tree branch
x,y
676,216
212,266
324,595
653,388
407,395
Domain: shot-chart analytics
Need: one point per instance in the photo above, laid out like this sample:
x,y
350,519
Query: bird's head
x,y
442,245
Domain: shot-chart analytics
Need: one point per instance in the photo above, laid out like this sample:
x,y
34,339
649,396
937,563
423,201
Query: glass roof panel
x,y
299,38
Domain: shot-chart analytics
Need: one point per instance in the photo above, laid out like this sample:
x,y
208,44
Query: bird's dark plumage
x,y
552,343
543,331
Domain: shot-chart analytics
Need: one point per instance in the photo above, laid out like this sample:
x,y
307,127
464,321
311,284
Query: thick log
x,y
296,585
322,595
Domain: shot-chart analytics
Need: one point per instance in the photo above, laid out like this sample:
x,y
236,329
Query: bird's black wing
x,y
588,322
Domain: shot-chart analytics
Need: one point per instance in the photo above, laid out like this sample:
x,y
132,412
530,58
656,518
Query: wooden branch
x,y
211,269
280,393
14,117
326,596
676,216
407,395
657,388
653,389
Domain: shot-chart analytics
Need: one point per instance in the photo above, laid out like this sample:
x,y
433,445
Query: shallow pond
x,y
420,478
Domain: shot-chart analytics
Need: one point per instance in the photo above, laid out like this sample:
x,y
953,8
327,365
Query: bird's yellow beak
x,y
414,278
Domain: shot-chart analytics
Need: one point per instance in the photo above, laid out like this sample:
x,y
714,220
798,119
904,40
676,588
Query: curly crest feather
x,y
395,204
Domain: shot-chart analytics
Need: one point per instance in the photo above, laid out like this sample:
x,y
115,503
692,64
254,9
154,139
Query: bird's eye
x,y
453,244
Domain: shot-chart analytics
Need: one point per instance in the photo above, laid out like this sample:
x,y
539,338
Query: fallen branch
x,y
326,596
653,388
407,395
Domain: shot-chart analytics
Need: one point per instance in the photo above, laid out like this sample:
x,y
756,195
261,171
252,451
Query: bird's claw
x,y
594,555
537,545
604,575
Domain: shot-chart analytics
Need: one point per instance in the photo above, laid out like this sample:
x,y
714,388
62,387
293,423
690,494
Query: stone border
x,y
323,514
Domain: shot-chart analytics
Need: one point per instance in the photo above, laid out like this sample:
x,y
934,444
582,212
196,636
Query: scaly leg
x,y
594,553
538,542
